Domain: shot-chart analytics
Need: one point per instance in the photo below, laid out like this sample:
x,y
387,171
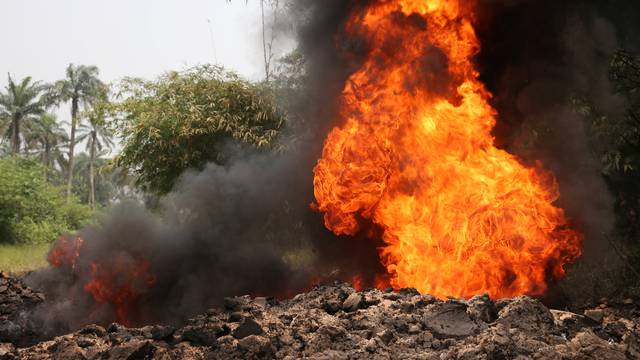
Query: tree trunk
x,y
15,137
264,44
47,154
72,143
92,157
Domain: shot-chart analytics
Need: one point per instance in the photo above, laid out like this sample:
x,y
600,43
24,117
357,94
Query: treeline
x,y
132,139
47,186
55,174
30,128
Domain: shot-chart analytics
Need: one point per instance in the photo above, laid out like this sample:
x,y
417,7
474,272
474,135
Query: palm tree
x,y
46,140
5,124
86,168
99,143
4,148
81,87
22,102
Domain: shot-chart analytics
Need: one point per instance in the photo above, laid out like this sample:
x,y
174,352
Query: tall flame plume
x,y
414,155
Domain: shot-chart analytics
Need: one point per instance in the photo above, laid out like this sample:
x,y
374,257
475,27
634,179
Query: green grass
x,y
20,258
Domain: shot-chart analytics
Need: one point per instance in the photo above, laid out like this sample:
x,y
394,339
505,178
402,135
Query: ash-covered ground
x,y
338,322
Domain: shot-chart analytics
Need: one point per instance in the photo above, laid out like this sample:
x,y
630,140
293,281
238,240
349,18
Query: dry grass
x,y
20,258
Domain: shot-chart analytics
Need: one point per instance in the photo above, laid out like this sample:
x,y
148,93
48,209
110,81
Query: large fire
x,y
415,156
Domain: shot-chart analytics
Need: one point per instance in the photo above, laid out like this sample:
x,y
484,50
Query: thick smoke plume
x,y
248,228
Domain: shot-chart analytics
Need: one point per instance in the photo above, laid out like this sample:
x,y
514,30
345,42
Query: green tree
x,y
104,184
80,87
46,140
4,146
32,210
183,120
99,139
21,102
289,87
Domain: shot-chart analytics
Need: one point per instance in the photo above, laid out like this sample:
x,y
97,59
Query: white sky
x,y
143,38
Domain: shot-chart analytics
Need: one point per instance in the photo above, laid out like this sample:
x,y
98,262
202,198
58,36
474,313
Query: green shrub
x,y
75,215
31,232
32,210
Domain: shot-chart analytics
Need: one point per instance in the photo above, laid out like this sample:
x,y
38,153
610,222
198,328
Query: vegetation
x,y
32,210
46,141
179,121
80,87
99,142
56,173
185,120
37,157
621,152
616,141
19,258
21,103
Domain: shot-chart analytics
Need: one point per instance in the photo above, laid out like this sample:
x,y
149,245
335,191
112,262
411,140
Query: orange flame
x,y
415,155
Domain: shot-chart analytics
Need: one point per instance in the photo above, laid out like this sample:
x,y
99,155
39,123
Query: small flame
x,y
65,252
356,283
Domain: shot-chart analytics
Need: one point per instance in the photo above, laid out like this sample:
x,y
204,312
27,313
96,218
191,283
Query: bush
x,y
32,232
32,210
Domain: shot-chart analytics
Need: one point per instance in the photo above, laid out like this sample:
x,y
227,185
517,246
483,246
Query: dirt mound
x,y
339,323
17,301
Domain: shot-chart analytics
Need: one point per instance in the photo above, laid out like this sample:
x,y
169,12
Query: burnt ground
x,y
17,301
337,322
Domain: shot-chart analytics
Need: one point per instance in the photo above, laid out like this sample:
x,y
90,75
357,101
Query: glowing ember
x,y
415,155
356,283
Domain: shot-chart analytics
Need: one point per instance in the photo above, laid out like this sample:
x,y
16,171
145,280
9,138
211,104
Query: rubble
x,y
595,314
339,322
16,302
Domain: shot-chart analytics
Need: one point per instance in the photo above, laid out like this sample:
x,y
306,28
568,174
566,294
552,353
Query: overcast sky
x,y
127,37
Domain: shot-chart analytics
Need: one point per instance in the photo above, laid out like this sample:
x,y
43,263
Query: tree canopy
x,y
184,120
21,102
